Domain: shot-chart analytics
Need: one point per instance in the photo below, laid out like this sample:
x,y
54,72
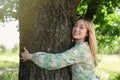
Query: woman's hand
x,y
26,55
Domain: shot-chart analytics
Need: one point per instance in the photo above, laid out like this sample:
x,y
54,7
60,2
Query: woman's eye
x,y
81,27
75,25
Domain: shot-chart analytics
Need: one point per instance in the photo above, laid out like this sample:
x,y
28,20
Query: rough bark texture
x,y
45,25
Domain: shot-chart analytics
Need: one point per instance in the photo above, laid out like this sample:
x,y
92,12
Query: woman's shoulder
x,y
83,46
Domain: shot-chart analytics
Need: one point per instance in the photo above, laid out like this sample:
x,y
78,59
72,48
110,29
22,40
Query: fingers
x,y
23,60
23,57
25,50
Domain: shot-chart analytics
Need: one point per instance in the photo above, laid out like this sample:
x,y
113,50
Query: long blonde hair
x,y
91,38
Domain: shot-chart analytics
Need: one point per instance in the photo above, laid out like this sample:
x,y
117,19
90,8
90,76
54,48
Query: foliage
x,y
15,48
115,76
9,51
82,9
9,76
8,10
2,48
107,21
107,24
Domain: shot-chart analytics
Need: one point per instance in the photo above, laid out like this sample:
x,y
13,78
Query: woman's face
x,y
79,31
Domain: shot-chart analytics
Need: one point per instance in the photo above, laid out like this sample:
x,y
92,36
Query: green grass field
x,y
9,63
108,68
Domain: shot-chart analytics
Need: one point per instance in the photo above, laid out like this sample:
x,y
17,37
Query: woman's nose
x,y
77,28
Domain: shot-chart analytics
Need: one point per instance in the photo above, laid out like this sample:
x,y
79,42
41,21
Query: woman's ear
x,y
87,34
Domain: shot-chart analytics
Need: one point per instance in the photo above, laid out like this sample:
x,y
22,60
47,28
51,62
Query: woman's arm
x,y
55,61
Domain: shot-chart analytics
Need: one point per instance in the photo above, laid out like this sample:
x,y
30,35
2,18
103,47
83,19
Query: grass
x,y
108,68
9,63
9,76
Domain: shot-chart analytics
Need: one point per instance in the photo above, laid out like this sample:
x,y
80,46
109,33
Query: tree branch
x,y
92,8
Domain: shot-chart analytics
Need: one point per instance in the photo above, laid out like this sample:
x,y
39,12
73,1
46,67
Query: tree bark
x,y
45,25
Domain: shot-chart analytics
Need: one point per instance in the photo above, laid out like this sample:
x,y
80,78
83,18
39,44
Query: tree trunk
x,y
45,25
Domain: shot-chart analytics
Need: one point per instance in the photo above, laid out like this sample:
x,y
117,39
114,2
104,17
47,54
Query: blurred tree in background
x,y
2,48
8,10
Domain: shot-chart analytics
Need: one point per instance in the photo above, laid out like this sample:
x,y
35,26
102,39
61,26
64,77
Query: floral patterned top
x,y
78,57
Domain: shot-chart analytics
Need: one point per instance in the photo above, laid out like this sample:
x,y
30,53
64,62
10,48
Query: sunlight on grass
x,y
9,61
108,66
109,62
9,64
9,58
9,76
5,65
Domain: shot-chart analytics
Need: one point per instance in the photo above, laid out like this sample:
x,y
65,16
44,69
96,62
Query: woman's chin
x,y
76,38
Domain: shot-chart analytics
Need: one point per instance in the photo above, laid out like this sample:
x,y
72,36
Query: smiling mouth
x,y
76,33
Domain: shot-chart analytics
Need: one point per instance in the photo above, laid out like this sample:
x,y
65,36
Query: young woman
x,y
82,57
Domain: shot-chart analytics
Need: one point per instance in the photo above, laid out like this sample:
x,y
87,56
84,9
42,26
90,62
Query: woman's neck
x,y
79,41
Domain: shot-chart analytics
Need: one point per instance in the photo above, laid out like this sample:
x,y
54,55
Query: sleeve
x,y
55,61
